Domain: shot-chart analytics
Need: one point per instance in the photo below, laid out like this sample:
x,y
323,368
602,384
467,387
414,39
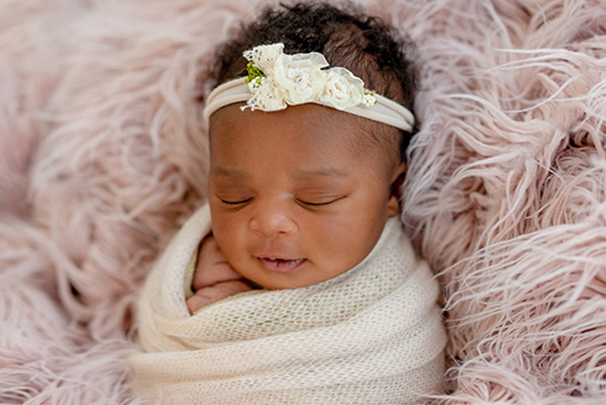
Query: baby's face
x,y
292,205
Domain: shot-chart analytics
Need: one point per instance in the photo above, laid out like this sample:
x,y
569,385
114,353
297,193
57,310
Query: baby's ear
x,y
393,205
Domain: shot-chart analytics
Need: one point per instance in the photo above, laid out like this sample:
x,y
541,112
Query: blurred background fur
x,y
103,155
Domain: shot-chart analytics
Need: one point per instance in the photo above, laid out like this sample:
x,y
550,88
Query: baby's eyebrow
x,y
229,172
307,174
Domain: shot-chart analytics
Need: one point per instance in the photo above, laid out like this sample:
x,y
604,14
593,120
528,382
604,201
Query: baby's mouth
x,y
280,265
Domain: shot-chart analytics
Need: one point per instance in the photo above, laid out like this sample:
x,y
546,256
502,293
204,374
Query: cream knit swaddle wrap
x,y
372,335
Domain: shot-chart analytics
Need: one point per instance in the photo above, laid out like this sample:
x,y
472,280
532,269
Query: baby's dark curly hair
x,y
376,53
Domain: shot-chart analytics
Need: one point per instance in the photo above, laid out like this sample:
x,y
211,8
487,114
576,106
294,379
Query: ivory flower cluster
x,y
276,80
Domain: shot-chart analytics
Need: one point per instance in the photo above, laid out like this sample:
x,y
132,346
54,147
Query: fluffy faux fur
x,y
103,156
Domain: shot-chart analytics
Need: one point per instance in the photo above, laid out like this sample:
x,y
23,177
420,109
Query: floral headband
x,y
276,80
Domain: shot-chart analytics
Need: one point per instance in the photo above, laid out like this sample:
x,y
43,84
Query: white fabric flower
x,y
342,89
300,77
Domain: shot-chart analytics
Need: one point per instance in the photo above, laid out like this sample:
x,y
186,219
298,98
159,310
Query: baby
x,y
301,195
301,286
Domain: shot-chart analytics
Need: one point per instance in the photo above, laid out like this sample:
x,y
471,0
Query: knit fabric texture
x,y
372,335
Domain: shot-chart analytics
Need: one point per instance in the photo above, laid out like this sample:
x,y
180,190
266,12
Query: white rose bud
x,y
342,89
300,77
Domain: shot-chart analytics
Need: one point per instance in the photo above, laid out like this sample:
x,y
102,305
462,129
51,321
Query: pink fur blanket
x,y
103,156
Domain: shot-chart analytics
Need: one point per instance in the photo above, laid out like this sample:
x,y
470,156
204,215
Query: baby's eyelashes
x,y
317,203
235,202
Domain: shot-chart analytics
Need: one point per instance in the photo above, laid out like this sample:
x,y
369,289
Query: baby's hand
x,y
214,278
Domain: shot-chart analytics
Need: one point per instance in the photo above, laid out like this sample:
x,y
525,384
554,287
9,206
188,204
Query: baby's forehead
x,y
311,134
351,131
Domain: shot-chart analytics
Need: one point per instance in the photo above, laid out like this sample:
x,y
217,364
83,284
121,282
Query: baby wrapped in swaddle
x,y
319,297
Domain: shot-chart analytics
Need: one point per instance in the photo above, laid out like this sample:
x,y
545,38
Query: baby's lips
x,y
280,265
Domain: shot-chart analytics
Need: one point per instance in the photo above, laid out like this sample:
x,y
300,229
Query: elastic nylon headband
x,y
385,110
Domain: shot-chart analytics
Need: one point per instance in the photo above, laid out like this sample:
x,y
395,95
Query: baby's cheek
x,y
227,230
231,239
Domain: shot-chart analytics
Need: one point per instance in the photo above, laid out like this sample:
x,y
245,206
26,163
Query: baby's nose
x,y
272,219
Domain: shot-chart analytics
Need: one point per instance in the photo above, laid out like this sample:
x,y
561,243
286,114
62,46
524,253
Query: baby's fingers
x,y
212,266
207,276
210,295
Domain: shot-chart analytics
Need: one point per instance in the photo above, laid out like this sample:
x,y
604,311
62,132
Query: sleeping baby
x,y
295,283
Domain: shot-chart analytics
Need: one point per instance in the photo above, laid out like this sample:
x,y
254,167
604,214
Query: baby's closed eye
x,y
319,196
319,200
234,196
